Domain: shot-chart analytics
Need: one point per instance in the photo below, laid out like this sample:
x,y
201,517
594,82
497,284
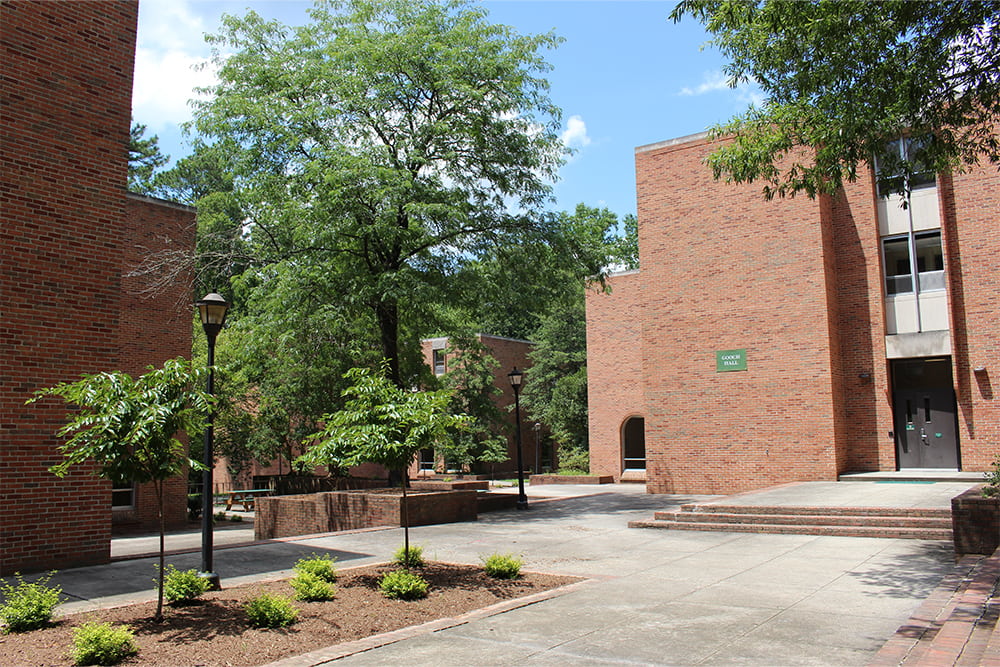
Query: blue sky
x,y
625,76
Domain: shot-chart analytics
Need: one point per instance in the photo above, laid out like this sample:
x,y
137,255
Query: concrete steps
x,y
890,522
956,625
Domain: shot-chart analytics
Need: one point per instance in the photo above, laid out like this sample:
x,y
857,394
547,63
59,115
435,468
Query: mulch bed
x,y
215,631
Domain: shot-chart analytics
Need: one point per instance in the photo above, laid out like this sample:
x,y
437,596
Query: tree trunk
x,y
387,315
158,485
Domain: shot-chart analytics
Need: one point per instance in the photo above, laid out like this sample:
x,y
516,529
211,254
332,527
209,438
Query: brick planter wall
x,y
288,516
457,485
572,479
975,522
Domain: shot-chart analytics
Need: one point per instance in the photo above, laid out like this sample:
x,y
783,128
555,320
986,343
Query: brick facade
x,y
67,232
509,353
798,284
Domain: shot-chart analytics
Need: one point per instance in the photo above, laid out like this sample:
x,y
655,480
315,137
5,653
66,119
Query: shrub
x,y
194,506
992,477
271,611
220,515
236,518
310,588
28,606
574,462
412,558
323,567
102,644
502,566
403,585
181,587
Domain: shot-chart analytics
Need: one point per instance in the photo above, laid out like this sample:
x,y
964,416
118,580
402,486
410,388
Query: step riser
x,y
819,511
812,520
842,531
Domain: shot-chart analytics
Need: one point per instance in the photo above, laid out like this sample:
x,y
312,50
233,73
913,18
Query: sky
x,y
624,77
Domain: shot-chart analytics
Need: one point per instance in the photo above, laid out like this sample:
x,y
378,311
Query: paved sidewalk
x,y
653,597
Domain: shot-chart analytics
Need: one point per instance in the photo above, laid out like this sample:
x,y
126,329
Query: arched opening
x,y
634,444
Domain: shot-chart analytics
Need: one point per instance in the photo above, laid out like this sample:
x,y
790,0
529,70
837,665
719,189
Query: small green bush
x,y
236,518
992,478
502,566
102,644
271,611
310,588
412,558
574,462
183,587
323,567
28,606
403,585
220,516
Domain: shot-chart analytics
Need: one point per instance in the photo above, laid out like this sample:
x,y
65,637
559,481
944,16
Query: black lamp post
x,y
537,428
212,309
515,377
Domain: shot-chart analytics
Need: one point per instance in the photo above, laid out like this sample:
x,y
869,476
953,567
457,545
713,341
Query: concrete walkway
x,y
651,597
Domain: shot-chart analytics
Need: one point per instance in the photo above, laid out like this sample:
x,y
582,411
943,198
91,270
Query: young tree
x,y
381,423
129,428
144,158
845,77
381,144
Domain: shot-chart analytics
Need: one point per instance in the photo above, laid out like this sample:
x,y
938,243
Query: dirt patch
x,y
215,631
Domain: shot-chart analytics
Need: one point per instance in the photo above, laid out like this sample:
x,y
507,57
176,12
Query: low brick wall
x,y
975,522
572,479
288,516
454,485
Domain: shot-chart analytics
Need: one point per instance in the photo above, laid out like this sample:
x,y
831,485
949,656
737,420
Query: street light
x,y
212,309
537,428
515,377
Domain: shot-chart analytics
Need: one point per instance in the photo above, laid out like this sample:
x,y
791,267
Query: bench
x,y
245,497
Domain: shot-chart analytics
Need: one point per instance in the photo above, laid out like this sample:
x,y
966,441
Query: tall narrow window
x,y
439,365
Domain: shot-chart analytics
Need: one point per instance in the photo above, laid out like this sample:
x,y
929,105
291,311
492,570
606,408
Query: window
x,y
122,496
889,165
439,366
929,265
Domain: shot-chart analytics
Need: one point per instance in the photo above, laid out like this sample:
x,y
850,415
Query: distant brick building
x,y
69,236
774,341
508,352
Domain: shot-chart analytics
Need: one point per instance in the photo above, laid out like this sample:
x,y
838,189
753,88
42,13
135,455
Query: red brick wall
x,y
155,325
66,85
970,213
288,516
724,269
614,368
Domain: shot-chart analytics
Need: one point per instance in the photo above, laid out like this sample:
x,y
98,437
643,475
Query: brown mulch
x,y
215,631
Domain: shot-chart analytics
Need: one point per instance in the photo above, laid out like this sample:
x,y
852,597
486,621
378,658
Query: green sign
x,y
730,360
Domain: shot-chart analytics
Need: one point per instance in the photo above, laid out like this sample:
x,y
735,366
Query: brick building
x,y
764,342
508,352
69,236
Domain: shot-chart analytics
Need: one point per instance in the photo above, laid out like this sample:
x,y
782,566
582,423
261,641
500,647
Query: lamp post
x,y
537,428
515,377
212,309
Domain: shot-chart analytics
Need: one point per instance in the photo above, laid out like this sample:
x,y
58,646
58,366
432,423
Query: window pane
x,y
897,265
930,260
122,497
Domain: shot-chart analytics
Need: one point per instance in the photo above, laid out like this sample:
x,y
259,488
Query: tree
x,y
381,423
380,145
844,78
144,158
129,428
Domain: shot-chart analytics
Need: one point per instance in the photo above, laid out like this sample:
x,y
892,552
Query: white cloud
x,y
170,46
711,82
575,134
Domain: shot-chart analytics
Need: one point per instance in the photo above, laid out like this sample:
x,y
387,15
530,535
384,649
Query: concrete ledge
x,y
572,479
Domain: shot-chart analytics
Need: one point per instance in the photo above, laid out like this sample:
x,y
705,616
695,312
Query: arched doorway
x,y
634,444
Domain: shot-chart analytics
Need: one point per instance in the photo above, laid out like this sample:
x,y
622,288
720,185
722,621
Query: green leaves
x,y
129,426
381,423
842,77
